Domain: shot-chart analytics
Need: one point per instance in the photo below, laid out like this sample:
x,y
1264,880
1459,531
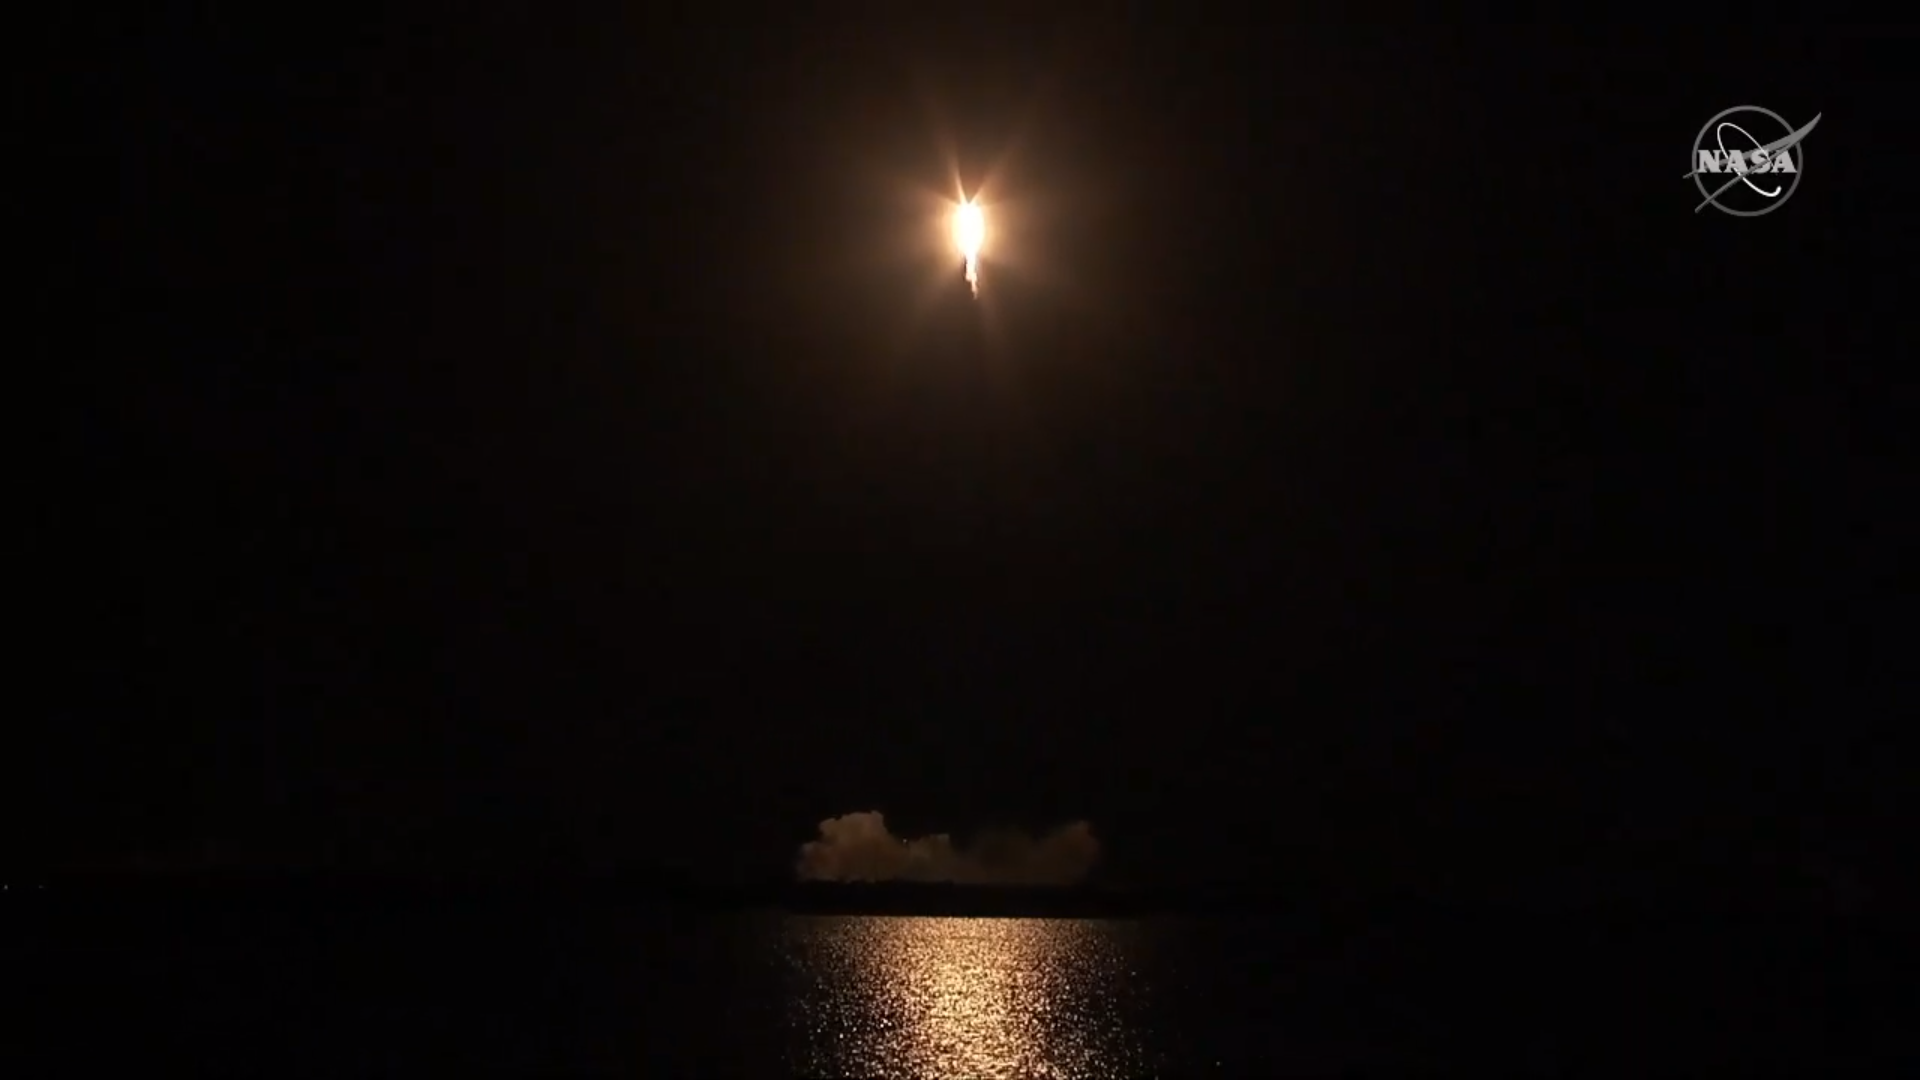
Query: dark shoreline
x,y
897,899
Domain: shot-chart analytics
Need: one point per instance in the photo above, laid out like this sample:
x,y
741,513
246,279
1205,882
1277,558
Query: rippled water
x,y
907,997
615,991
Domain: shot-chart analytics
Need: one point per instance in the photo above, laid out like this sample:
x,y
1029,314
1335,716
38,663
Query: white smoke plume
x,y
860,847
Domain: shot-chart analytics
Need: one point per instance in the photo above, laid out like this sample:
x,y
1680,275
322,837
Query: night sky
x,y
528,438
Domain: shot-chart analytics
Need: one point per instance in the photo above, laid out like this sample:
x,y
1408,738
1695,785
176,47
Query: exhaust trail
x,y
969,232
860,847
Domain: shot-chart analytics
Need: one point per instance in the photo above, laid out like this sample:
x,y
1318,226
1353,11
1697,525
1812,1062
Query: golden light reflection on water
x,y
935,998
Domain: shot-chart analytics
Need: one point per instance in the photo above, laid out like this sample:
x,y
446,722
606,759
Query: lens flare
x,y
969,232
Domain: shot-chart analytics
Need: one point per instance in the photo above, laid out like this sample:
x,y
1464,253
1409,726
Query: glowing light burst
x,y
969,232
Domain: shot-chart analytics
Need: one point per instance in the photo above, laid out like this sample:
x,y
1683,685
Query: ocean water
x,y
371,989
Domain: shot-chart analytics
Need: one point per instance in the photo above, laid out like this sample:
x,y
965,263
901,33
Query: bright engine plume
x,y
969,230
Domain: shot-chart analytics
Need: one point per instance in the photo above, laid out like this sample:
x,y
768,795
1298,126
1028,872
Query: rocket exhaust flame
x,y
969,231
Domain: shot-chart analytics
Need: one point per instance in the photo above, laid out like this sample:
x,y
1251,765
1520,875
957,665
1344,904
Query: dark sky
x,y
508,436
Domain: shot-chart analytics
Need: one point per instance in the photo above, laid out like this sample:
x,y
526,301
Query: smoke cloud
x,y
860,847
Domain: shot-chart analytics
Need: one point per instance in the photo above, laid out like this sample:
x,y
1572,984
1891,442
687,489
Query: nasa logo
x,y
1742,195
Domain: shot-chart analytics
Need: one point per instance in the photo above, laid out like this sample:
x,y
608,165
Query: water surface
x,y
621,991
